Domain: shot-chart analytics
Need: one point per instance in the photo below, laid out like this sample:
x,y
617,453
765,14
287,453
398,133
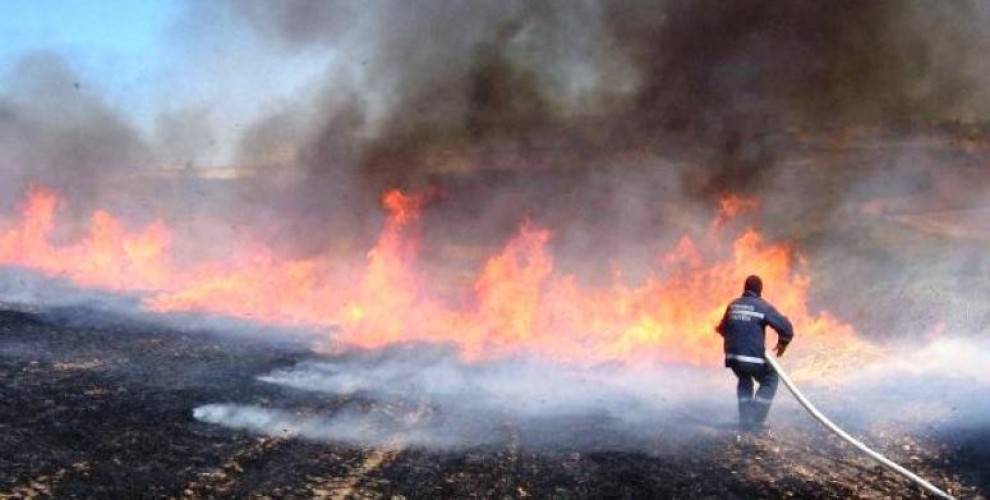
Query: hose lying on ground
x,y
851,440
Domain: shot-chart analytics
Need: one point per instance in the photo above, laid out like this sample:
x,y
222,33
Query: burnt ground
x,y
104,410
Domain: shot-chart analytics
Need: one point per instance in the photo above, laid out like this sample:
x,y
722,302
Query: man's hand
x,y
780,349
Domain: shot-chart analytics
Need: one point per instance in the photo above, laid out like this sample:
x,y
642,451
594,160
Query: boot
x,y
760,409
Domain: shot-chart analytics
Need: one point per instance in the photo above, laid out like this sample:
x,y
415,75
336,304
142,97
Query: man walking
x,y
743,327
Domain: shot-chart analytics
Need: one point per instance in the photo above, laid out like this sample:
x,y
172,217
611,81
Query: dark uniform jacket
x,y
744,328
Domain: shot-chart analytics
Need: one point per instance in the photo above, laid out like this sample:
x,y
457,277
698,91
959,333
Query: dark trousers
x,y
754,408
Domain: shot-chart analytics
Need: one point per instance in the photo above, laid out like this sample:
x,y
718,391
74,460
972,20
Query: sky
x,y
147,59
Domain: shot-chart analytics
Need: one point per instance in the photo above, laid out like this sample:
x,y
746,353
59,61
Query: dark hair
x,y
753,284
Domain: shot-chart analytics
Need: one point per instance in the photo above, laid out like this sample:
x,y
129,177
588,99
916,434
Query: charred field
x,y
104,408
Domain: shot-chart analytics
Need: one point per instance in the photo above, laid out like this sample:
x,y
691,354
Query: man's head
x,y
753,284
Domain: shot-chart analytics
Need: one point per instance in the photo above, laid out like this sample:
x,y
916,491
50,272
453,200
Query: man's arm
x,y
783,327
720,329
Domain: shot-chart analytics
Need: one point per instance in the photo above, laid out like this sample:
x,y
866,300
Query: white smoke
x,y
425,396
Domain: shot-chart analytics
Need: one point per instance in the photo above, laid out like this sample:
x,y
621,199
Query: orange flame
x,y
107,257
730,205
519,304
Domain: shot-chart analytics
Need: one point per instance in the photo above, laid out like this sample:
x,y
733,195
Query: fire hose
x,y
851,440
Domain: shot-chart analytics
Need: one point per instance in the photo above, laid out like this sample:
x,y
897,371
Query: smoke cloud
x,y
530,85
55,131
610,121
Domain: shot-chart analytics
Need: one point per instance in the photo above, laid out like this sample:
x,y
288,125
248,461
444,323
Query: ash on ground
x,y
104,409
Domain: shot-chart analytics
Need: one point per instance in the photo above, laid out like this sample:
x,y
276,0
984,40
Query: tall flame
x,y
518,304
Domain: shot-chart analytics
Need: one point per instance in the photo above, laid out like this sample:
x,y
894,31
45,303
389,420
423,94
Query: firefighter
x,y
743,327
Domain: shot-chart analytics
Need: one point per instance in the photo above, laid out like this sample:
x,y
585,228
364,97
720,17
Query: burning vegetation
x,y
517,302
480,248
